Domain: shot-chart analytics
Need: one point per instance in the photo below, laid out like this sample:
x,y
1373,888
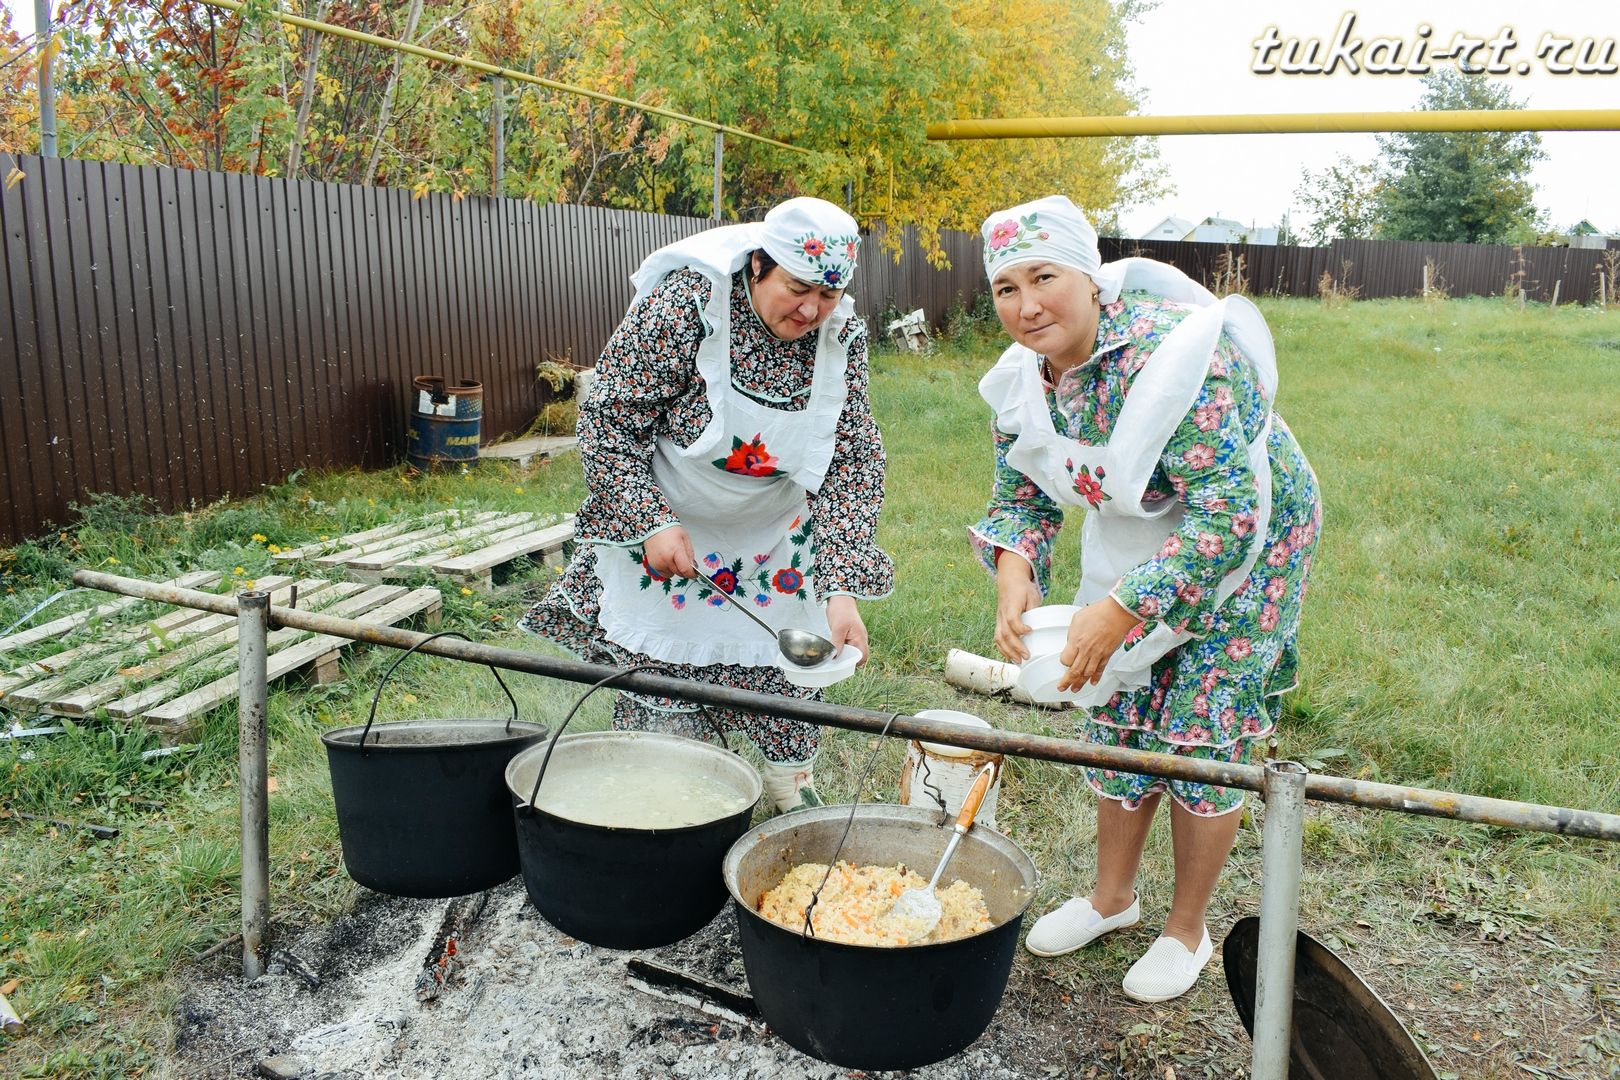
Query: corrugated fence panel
x,y
189,335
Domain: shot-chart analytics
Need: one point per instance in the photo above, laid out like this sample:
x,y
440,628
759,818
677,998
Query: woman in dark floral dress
x,y
1136,397
728,443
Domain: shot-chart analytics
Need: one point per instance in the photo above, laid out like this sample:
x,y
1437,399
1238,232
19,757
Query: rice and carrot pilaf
x,y
856,898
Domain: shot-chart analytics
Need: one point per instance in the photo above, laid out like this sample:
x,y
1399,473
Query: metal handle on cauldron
x,y
534,793
855,804
401,659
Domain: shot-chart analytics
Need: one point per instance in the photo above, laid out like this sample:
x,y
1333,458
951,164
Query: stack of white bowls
x,y
1048,633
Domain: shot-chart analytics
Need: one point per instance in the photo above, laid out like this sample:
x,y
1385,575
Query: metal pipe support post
x,y
253,765
1279,918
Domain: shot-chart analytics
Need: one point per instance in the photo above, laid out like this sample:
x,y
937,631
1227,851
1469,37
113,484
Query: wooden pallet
x,y
189,661
197,579
464,546
526,450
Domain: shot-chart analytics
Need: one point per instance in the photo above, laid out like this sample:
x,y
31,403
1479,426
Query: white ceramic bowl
x,y
1039,678
951,716
1048,628
1059,615
835,668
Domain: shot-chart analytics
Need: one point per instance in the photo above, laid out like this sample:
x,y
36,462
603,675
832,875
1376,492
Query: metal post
x,y
719,161
47,90
1279,918
500,134
253,621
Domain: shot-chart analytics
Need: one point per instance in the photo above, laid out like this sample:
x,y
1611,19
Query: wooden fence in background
x,y
188,335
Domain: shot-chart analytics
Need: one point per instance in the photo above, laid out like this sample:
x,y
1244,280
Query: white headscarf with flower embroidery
x,y
1055,230
1047,230
813,240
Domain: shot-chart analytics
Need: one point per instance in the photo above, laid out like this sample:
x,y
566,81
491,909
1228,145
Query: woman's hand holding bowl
x,y
1096,632
1016,593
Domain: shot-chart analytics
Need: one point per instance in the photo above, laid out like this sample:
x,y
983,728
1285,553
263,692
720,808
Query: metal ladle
x,y
917,911
800,646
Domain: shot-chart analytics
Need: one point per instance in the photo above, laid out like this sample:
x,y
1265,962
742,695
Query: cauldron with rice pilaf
x,y
869,1007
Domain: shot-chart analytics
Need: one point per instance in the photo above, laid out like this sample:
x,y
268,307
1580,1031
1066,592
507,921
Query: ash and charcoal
x,y
521,1001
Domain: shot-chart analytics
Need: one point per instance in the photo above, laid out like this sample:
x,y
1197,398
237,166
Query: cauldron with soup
x,y
621,842
877,1007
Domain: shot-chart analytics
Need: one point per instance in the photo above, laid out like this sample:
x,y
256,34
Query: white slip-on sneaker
x,y
1076,924
1167,970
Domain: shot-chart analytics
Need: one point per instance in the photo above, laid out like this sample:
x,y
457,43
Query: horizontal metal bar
x,y
1530,817
503,73
1069,127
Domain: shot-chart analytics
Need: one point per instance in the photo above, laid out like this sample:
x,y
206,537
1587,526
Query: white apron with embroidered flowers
x,y
1123,529
739,491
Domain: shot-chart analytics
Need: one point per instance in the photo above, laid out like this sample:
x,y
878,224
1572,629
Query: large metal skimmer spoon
x,y
800,646
918,911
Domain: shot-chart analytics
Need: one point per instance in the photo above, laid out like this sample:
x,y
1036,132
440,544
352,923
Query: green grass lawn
x,y
1462,631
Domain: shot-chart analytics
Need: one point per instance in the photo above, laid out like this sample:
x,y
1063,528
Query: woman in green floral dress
x,y
1201,518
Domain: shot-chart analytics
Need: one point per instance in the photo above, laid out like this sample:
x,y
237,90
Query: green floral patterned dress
x,y
1216,696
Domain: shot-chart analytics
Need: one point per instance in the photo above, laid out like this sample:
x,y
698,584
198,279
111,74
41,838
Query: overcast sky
x,y
1195,56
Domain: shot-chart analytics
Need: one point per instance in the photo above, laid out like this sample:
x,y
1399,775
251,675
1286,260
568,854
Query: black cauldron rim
x,y
618,830
515,732
521,806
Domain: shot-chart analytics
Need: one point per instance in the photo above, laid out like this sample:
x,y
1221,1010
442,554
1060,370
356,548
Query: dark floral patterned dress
x,y
1216,696
647,386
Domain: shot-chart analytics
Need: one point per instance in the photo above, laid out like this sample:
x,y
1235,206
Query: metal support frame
x,y
252,653
1285,785
1531,817
43,20
1073,127
502,72
498,96
1279,918
719,180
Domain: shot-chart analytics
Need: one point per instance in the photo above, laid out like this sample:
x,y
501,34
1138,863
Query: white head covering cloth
x,y
1055,230
786,235
811,239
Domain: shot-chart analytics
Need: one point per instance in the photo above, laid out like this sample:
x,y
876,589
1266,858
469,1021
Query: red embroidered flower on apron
x,y
1087,486
748,458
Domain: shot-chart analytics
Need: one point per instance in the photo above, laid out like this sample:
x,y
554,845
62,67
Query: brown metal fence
x,y
189,335
1384,268
192,334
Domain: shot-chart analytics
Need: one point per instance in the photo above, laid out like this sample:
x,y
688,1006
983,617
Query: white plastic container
x,y
938,777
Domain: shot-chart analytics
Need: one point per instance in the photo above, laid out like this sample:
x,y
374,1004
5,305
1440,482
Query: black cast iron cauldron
x,y
421,804
867,1007
421,807
626,888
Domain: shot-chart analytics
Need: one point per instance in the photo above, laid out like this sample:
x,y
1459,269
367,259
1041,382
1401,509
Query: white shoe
x,y
1167,970
1076,924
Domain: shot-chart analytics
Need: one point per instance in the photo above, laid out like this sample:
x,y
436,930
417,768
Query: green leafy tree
x,y
1340,201
1472,186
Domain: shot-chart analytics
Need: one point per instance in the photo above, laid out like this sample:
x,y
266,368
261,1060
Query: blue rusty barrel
x,y
444,425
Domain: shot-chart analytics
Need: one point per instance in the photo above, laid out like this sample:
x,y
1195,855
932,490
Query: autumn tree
x,y
1470,186
857,82
1341,201
852,81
